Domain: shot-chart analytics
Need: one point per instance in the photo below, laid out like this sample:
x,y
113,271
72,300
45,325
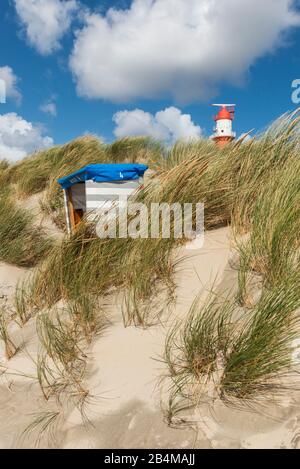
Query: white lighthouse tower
x,y
223,133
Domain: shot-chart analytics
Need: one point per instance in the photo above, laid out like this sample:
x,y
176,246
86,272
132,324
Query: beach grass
x,y
259,363
207,332
21,242
273,247
239,356
10,347
62,361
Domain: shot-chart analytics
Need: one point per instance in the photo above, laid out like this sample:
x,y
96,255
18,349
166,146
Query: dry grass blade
x,y
10,348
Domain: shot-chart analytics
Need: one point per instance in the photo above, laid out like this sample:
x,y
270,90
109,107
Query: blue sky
x,y
257,77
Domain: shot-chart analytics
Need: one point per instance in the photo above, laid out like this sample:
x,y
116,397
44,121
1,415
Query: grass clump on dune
x,y
239,356
61,362
134,150
21,243
10,348
258,161
86,312
273,247
195,347
195,354
182,151
4,164
261,357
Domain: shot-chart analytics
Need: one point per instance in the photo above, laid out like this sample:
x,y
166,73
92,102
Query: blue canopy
x,y
104,173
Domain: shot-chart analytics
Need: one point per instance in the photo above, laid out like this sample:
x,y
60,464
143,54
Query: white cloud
x,y
45,21
19,138
49,108
181,48
169,125
11,83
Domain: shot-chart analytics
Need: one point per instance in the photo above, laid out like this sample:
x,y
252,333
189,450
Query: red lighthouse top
x,y
225,113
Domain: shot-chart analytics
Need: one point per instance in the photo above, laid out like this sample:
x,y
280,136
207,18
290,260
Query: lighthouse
x,y
223,133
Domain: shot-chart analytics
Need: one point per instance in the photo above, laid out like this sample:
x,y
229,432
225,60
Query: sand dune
x,y
124,375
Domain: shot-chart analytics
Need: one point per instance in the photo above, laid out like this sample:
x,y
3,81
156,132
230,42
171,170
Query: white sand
x,y
124,376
